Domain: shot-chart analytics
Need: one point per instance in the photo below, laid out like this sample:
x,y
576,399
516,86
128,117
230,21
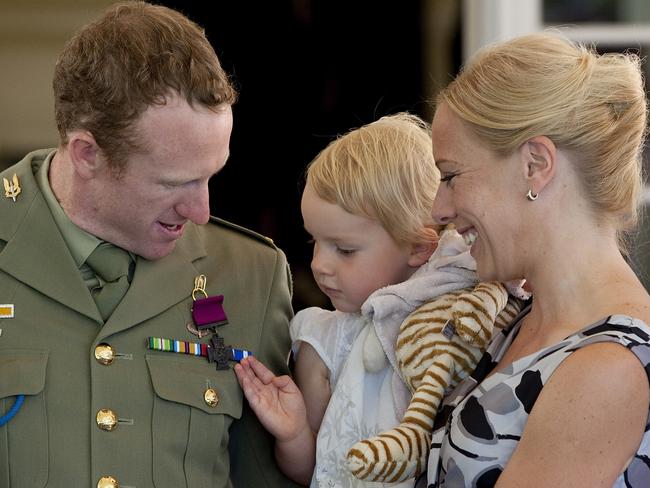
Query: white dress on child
x,y
365,403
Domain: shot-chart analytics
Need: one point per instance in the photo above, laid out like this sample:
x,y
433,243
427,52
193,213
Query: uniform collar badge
x,y
12,188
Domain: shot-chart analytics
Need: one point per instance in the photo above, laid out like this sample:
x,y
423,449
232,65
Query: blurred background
x,y
307,71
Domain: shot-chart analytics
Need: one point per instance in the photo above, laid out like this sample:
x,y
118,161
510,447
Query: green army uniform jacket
x,y
167,434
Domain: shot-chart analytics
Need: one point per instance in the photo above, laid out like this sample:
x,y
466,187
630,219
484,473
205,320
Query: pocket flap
x,y
22,372
185,382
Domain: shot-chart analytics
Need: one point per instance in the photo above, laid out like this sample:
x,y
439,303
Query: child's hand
x,y
276,400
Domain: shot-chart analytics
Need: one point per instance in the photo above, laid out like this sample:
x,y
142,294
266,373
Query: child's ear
x,y
421,252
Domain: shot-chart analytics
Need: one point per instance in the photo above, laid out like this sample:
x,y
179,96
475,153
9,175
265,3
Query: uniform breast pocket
x,y
23,438
194,406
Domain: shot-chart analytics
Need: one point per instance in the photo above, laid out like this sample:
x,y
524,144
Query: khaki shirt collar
x,y
79,242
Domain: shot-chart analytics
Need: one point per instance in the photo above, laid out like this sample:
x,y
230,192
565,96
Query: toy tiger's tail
x,y
400,453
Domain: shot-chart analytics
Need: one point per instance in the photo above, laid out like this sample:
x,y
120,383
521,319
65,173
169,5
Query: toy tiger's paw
x,y
384,458
474,312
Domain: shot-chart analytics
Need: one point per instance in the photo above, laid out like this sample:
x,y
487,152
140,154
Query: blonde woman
x,y
538,142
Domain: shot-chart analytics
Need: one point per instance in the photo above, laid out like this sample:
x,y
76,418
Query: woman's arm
x,y
586,424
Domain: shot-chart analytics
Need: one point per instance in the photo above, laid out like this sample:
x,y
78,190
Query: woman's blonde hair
x,y
384,171
591,105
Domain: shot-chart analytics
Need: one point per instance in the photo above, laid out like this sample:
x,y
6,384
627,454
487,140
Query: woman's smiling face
x,y
477,193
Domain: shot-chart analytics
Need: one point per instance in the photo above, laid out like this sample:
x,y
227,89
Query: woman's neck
x,y
576,290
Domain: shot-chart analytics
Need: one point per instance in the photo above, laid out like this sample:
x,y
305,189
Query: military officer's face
x,y
166,184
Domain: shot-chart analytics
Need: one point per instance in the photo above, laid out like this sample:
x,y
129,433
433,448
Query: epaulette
x,y
266,240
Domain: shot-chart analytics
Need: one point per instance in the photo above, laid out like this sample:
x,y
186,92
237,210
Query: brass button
x,y
211,398
106,420
107,482
104,354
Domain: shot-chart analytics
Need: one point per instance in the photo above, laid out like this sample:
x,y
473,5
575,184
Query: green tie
x,y
111,264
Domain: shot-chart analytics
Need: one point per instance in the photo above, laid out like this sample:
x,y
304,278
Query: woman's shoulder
x,y
597,398
622,338
626,323
631,307
607,363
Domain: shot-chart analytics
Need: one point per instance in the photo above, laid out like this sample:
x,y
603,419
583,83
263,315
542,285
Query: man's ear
x,y
84,154
539,157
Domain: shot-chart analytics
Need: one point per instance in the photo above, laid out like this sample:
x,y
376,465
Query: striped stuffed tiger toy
x,y
438,345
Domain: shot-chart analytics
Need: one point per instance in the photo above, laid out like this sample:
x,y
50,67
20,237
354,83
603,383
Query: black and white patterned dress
x,y
474,441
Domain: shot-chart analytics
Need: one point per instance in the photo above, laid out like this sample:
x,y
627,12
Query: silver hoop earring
x,y
532,196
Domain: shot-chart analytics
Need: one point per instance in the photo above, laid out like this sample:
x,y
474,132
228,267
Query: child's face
x,y
353,255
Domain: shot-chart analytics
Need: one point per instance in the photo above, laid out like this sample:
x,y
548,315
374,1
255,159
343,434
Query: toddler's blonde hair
x,y
384,171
